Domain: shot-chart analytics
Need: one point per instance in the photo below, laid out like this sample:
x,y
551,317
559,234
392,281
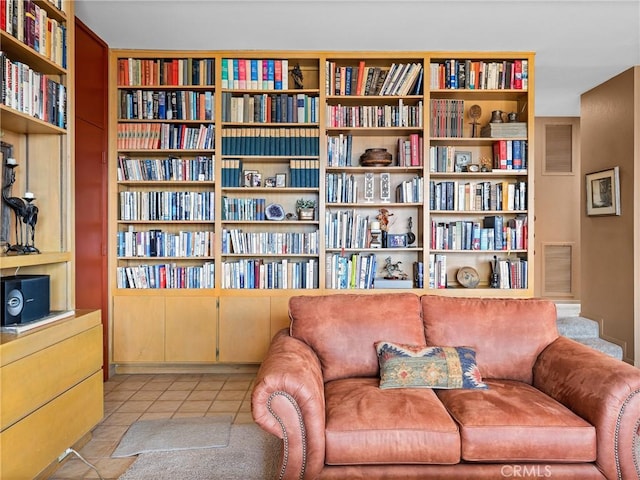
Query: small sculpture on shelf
x,y
411,237
296,74
25,213
393,270
494,279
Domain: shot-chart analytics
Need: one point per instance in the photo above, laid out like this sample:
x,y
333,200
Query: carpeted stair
x,y
584,330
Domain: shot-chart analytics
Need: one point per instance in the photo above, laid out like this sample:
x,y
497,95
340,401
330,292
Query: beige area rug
x,y
252,454
169,434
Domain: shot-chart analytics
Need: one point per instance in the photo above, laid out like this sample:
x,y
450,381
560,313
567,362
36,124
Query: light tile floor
x,y
128,398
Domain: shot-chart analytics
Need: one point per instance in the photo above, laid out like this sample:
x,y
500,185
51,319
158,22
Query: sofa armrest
x,y
288,401
602,390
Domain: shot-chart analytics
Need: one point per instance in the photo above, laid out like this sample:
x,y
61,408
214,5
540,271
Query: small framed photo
x,y
270,182
603,192
248,177
462,160
281,180
396,240
256,180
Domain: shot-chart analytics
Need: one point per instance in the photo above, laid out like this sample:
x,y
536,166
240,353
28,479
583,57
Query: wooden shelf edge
x,y
45,258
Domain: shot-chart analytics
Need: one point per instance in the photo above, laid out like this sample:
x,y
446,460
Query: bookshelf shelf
x,y
261,161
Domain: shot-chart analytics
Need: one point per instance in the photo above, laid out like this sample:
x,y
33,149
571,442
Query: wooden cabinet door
x,y
190,329
138,329
244,329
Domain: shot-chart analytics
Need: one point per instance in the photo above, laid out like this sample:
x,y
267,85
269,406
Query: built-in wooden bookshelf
x,y
293,125
54,370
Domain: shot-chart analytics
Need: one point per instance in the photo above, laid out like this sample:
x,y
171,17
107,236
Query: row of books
x,y
510,155
356,271
165,136
437,270
447,118
29,23
231,172
409,152
493,233
270,141
513,272
480,75
346,229
166,105
399,79
304,172
235,241
166,71
464,196
255,74
246,209
32,93
341,188
166,206
270,108
166,275
374,116
156,243
174,169
410,191
277,274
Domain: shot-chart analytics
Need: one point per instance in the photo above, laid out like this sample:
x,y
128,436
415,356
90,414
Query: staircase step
x,y
568,309
603,346
578,327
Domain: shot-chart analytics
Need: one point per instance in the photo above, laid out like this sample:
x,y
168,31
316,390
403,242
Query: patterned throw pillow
x,y
417,366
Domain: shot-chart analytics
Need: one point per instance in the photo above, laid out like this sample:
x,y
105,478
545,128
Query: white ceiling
x,y
578,43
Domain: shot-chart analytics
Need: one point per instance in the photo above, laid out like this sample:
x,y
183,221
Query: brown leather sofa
x,y
553,408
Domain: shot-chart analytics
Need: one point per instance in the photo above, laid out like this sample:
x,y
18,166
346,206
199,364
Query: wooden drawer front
x,y
30,382
32,444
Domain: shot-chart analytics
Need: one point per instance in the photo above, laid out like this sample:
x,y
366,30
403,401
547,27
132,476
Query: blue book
x,y
254,74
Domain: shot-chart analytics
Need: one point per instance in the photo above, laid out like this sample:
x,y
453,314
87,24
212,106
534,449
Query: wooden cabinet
x,y
295,125
51,391
245,330
153,329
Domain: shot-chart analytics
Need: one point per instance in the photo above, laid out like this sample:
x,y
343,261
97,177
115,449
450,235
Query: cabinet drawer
x,y
48,373
30,445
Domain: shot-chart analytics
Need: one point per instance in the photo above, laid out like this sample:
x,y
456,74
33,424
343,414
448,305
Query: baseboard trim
x,y
185,369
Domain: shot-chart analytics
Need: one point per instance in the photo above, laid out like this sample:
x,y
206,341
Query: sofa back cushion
x,y
506,334
342,328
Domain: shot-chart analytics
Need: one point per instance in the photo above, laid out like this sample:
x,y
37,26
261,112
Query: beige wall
x,y
609,244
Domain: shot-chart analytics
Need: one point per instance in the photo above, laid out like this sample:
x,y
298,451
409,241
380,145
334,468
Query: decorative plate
x,y
468,277
274,211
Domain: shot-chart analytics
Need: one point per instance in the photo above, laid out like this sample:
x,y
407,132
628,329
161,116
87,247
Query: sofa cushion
x,y
506,334
513,421
342,328
404,366
367,425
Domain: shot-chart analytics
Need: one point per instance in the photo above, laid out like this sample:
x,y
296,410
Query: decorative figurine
x,y
411,237
394,272
296,73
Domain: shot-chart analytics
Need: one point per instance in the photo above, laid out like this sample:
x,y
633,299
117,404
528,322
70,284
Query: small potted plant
x,y
306,209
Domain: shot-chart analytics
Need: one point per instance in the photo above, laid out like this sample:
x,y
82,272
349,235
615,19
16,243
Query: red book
x,y
242,74
277,74
517,74
360,77
500,155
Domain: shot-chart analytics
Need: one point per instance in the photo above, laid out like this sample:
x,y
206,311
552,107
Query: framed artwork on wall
x,y
603,192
